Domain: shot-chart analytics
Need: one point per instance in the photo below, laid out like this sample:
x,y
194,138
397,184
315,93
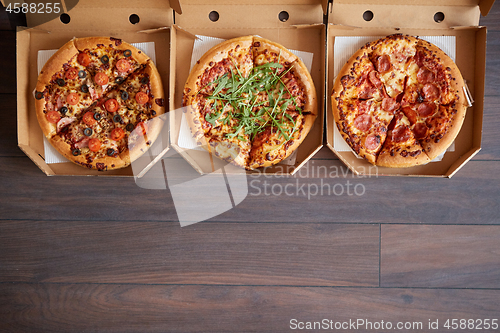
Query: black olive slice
x,y
145,80
97,116
117,118
76,152
124,95
82,74
110,152
38,95
130,127
119,80
84,88
88,131
104,59
61,82
127,53
63,110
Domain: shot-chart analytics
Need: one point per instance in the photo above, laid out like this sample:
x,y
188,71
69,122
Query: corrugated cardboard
x,y
87,18
461,19
304,31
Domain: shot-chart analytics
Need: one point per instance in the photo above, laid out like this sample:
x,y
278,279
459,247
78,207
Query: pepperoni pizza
x,y
399,101
250,101
94,98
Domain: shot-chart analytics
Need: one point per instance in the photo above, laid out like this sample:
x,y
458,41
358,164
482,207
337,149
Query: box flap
x,y
114,15
227,14
408,14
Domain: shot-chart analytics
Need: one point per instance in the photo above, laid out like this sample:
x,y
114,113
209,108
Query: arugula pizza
x,y
250,101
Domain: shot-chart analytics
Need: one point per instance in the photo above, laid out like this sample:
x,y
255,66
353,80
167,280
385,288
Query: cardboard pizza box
x,y
458,22
297,25
149,21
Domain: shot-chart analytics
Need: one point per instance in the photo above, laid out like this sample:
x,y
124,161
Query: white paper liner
x,y
345,46
201,45
51,154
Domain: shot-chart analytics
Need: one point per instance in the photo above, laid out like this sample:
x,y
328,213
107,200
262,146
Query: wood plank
x,y
491,135
440,256
470,197
160,308
8,134
492,80
8,62
220,253
10,21
492,21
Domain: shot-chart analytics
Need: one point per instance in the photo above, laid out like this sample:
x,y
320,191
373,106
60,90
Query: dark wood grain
x,y
440,256
221,253
9,21
8,132
492,74
160,308
8,62
470,197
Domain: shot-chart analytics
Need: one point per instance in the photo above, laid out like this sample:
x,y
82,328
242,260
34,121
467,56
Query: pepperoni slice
x,y
426,109
111,105
420,130
363,106
375,80
431,92
71,73
72,98
88,118
401,134
94,144
372,141
389,104
141,97
142,128
383,63
424,75
83,59
410,114
101,78
53,117
123,65
366,91
117,134
363,122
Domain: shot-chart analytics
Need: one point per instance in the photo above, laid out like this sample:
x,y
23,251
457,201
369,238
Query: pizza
x,y
399,101
95,98
250,101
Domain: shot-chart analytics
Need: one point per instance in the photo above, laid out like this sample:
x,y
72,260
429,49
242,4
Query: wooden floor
x,y
76,256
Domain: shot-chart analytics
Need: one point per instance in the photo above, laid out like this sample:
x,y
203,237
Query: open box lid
x,y
433,14
251,13
114,15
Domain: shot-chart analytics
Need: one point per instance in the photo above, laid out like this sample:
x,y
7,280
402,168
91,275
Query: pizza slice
x,y
362,80
401,148
278,139
364,125
390,56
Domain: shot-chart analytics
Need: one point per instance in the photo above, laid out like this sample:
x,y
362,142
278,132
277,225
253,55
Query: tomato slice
x,y
101,78
94,144
141,97
53,117
88,118
117,134
71,73
123,65
72,98
111,105
83,59
141,128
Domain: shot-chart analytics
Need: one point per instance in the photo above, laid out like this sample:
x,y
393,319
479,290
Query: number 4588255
x,y
33,8
477,324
